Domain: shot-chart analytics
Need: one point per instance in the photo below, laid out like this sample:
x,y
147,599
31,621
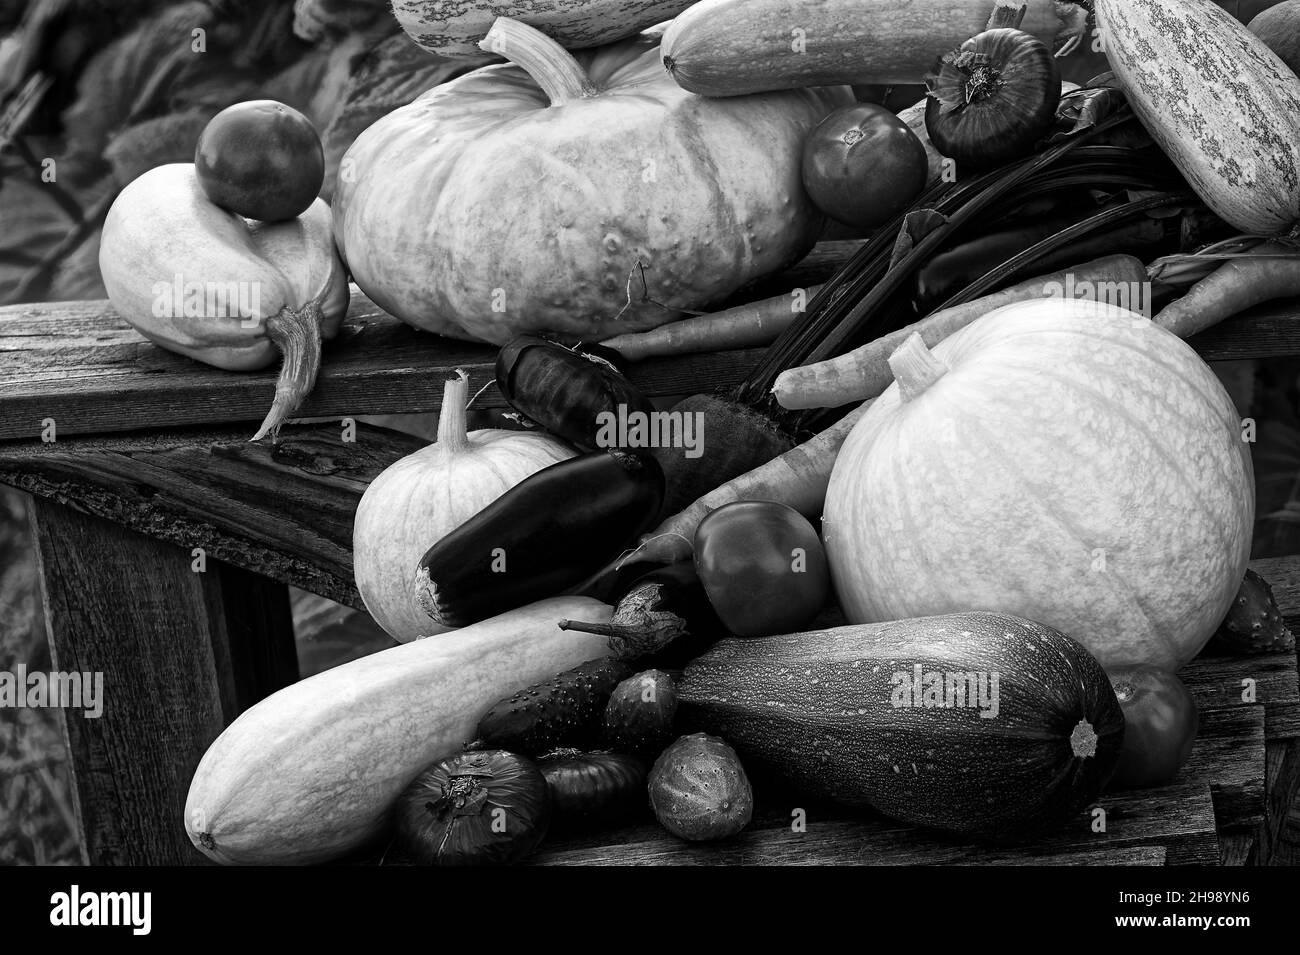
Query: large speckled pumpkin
x,y
1060,460
579,197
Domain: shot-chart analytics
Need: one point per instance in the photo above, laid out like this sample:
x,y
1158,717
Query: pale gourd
x,y
1060,460
424,496
233,293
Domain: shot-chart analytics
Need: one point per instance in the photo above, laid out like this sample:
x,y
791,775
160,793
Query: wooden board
x,y
1179,818
282,511
79,365
195,650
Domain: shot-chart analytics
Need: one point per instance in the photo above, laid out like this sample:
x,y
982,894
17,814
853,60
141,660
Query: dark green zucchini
x,y
834,713
550,532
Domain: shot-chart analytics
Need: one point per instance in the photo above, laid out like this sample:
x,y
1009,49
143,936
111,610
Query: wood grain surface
x,y
181,653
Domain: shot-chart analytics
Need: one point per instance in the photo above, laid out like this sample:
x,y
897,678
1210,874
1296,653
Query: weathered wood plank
x,y
1225,682
1282,783
172,646
1229,755
1237,848
281,511
80,365
1179,818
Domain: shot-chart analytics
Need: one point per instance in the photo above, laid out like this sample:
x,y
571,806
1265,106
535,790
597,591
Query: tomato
x,y
261,160
763,567
862,166
1159,726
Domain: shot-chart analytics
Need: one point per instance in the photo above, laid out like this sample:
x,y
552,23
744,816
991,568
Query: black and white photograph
x,y
651,433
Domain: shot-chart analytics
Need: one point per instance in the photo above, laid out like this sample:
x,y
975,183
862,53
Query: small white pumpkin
x,y
426,495
1059,460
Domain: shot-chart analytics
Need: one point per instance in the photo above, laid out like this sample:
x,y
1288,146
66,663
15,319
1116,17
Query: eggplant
x,y
571,392
664,615
550,532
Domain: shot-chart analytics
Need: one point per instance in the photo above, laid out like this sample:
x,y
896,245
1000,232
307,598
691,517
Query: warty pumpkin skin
x,y
162,233
1063,461
483,211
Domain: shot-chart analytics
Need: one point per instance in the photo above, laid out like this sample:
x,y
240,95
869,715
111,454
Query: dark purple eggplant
x,y
550,532
664,614
574,393
566,710
594,789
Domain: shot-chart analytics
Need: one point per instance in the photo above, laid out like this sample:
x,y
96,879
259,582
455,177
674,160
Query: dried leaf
x,y
916,226
327,20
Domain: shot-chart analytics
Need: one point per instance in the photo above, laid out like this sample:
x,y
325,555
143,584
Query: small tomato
x,y
1160,724
763,567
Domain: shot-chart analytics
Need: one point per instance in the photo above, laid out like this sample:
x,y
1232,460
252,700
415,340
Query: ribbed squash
x,y
583,197
1221,103
1065,461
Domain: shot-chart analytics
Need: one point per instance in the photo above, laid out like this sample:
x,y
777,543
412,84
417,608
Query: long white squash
x,y
310,773
1221,103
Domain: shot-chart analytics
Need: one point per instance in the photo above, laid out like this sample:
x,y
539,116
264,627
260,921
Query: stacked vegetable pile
x,y
1035,503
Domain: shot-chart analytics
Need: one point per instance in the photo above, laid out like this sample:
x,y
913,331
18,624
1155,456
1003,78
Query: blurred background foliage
x,y
95,92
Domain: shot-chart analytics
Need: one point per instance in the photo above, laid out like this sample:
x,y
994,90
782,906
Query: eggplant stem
x,y
600,629
296,333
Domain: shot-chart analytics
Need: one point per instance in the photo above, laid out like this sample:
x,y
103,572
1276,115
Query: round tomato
x,y
862,166
1159,726
261,160
763,567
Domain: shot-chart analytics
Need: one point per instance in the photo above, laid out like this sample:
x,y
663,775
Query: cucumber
x,y
735,47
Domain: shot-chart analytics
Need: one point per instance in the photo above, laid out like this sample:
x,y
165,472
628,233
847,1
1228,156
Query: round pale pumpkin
x,y
584,197
1060,460
419,499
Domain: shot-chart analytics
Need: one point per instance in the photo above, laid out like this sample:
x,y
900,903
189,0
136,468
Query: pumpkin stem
x,y
452,436
1083,741
296,333
550,65
1009,14
915,368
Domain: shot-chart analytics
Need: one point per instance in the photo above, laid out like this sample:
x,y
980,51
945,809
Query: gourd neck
x,y
452,435
551,66
915,368
296,333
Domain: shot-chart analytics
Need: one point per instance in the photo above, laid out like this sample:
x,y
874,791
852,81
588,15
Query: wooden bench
x,y
166,540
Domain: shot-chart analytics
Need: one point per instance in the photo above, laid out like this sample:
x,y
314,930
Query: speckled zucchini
x,y
1221,103
869,715
454,27
735,47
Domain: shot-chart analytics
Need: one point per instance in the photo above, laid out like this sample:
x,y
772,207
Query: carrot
x,y
1269,272
746,326
797,478
864,373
